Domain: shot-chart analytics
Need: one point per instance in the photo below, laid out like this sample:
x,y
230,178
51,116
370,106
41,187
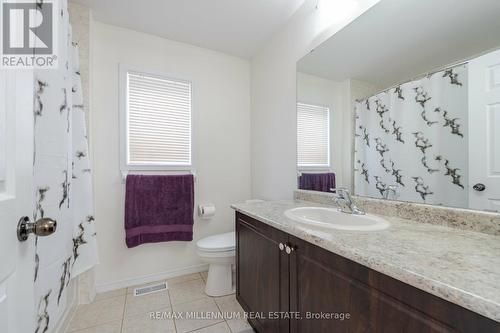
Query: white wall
x,y
274,92
221,115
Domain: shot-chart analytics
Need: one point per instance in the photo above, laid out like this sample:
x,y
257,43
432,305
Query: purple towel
x,y
317,181
159,209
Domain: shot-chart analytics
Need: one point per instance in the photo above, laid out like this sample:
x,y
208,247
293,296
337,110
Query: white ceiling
x,y
237,27
396,40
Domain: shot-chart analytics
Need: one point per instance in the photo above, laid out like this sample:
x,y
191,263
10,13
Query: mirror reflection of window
x,y
313,148
313,139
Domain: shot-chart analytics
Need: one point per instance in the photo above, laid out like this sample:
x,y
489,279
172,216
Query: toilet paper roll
x,y
206,211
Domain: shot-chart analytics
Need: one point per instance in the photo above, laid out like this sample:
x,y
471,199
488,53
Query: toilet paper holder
x,y
206,211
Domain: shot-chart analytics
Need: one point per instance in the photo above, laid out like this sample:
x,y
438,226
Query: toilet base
x,y
220,280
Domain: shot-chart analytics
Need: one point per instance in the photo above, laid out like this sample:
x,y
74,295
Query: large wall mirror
x,y
404,104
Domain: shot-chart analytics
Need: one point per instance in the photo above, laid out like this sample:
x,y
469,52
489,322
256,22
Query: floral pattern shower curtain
x,y
414,138
62,181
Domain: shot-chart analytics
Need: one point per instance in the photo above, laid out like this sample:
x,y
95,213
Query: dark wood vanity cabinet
x,y
313,290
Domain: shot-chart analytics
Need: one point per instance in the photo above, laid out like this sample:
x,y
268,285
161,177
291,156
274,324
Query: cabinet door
x,y
261,274
323,282
334,294
317,289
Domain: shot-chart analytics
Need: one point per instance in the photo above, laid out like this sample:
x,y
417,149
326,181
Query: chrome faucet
x,y
389,189
344,201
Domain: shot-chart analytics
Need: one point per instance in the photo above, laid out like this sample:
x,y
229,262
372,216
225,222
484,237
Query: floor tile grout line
x,y
203,295
172,310
222,313
108,322
209,298
225,319
92,326
123,313
228,327
205,298
166,280
178,284
108,297
152,283
204,327
217,304
190,301
126,295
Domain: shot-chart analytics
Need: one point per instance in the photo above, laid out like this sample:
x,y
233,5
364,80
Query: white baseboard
x,y
100,288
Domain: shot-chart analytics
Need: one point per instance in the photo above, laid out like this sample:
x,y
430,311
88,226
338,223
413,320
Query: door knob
x,y
42,227
479,187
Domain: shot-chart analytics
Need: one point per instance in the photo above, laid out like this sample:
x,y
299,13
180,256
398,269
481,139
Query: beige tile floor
x,y
119,311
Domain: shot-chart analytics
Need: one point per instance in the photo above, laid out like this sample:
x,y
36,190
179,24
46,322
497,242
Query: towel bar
x,y
158,172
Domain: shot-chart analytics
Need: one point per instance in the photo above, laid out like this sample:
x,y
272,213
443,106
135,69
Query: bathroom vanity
x,y
295,278
391,112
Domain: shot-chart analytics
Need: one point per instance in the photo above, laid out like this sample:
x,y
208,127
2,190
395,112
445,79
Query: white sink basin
x,y
334,219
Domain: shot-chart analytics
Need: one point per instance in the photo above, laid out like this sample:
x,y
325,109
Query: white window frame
x,y
313,167
125,166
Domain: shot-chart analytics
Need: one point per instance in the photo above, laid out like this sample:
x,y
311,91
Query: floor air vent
x,y
150,289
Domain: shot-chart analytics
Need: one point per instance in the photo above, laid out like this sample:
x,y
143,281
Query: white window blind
x,y
158,120
313,128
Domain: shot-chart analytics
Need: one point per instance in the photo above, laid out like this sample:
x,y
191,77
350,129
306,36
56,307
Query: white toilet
x,y
219,252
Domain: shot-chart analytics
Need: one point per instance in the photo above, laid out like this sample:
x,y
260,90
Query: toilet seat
x,y
217,254
218,243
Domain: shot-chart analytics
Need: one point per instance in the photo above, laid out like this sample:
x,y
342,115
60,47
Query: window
x,y
313,135
157,121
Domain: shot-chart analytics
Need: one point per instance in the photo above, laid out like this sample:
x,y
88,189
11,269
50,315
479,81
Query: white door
x,y
16,187
484,131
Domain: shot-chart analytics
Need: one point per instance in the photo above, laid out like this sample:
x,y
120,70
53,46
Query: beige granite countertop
x,y
460,266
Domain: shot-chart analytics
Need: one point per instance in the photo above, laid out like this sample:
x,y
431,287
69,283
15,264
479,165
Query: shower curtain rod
x,y
420,76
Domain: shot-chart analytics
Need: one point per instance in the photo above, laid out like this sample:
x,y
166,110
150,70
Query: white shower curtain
x,y
62,181
414,137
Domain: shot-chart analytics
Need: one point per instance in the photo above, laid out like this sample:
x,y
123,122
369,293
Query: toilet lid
x,y
222,242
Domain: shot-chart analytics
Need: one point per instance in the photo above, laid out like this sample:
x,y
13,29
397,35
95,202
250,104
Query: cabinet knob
x,y
281,246
289,249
